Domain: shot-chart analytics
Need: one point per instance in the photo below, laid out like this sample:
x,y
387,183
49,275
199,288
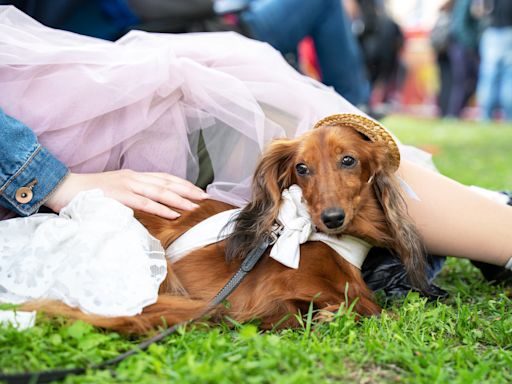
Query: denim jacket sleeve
x,y
28,172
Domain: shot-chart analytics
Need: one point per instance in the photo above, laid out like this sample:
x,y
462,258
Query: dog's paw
x,y
327,314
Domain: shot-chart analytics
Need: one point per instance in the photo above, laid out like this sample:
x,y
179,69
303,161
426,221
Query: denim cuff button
x,y
24,195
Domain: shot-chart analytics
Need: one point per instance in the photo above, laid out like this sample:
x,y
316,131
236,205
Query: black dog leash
x,y
58,374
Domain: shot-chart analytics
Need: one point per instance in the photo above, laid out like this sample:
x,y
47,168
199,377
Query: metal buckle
x,y
275,232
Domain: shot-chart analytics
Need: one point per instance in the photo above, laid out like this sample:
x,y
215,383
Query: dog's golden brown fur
x,y
365,191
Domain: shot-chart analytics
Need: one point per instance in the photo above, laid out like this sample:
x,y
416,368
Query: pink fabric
x,y
140,102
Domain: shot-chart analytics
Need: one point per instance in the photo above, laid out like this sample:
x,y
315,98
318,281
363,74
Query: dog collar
x,y
295,225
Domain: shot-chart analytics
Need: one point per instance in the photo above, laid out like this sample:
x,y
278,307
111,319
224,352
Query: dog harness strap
x,y
296,228
352,249
209,231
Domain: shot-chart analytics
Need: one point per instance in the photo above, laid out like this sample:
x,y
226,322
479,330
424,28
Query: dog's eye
x,y
348,162
302,169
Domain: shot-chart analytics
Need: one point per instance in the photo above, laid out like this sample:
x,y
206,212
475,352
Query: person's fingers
x,y
145,204
167,176
162,194
171,179
186,190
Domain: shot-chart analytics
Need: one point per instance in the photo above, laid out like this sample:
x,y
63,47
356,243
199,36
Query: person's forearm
x,y
455,220
28,172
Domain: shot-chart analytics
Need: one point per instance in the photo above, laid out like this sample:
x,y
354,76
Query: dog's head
x,y
343,175
335,167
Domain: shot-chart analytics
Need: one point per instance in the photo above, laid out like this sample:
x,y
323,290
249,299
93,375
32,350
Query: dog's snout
x,y
333,217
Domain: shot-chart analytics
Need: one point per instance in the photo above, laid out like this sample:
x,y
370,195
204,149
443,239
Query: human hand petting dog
x,y
151,192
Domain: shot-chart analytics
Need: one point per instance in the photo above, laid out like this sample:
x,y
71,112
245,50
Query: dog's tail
x,y
169,310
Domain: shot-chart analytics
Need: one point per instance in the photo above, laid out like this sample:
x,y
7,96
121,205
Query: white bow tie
x,y
297,228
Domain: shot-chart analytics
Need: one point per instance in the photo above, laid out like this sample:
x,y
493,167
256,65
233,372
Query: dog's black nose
x,y
333,217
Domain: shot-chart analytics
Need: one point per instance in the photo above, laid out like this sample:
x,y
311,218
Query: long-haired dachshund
x,y
349,188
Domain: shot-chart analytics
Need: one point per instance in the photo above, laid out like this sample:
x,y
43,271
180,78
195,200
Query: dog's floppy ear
x,y
377,158
273,174
404,237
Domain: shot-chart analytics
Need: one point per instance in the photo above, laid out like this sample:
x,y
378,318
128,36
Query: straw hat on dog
x,y
370,128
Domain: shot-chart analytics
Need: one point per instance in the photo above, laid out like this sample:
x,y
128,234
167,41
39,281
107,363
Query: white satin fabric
x,y
94,255
209,231
297,228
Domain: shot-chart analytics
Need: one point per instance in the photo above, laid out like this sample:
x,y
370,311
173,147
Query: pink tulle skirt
x,y
141,102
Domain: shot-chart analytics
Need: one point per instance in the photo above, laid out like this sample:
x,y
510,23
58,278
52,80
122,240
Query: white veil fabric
x,y
140,102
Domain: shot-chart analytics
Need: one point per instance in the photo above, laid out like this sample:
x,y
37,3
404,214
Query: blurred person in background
x,y
440,38
495,78
285,23
381,41
463,56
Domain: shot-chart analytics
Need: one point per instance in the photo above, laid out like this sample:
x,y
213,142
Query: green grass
x,y
464,339
469,152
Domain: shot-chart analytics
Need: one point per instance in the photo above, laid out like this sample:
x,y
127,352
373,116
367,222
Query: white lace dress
x,y
94,255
